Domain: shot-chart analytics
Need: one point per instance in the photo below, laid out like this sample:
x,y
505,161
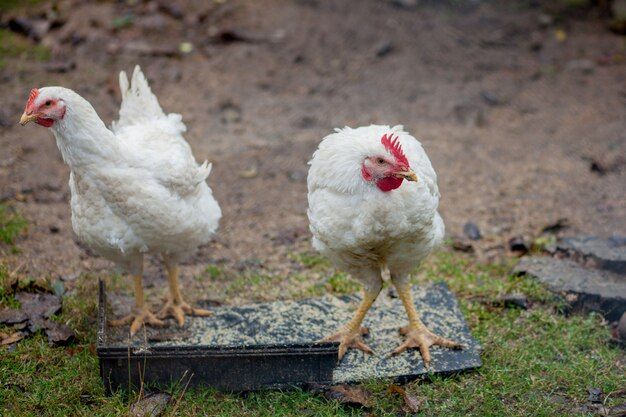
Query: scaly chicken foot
x,y
418,336
175,306
351,335
138,318
349,338
141,314
179,309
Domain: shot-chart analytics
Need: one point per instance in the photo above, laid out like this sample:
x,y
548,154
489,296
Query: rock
x,y
10,339
595,395
582,66
152,405
515,300
609,254
584,289
518,245
462,246
472,231
491,98
12,316
59,334
383,48
33,28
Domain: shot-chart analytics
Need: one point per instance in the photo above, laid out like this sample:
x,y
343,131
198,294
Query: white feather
x,y
357,225
136,188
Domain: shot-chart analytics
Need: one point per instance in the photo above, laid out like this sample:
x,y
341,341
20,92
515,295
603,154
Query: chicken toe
x,y
178,310
419,337
348,338
138,318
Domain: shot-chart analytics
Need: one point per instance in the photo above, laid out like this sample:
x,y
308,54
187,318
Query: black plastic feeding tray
x,y
274,345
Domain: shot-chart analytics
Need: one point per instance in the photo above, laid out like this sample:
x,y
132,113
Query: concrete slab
x,y
585,289
302,323
609,254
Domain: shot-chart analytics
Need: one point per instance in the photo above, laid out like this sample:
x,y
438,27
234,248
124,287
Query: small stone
x,y
462,246
515,300
152,405
491,98
595,395
472,231
383,49
518,245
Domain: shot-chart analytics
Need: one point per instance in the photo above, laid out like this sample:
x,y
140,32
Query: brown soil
x,y
511,113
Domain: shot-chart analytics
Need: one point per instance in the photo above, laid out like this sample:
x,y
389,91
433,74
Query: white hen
x,y
365,217
136,188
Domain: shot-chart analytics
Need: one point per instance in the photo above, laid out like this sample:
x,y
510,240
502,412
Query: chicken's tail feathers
x,y
139,104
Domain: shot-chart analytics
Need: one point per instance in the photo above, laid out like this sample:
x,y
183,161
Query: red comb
x,y
31,97
393,145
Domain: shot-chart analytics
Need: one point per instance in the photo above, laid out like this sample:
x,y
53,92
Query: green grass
x,y
536,362
14,46
11,224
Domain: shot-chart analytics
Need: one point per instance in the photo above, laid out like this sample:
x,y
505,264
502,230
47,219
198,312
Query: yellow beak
x,y
27,118
408,175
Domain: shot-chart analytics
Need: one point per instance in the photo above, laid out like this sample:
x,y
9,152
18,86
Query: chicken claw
x,y
179,310
138,318
349,339
421,338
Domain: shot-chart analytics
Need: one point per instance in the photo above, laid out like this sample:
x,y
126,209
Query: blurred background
x,y
521,106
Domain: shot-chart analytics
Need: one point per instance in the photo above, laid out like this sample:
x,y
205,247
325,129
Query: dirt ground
x,y
512,107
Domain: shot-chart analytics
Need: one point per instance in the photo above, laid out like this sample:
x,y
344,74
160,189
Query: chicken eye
x,y
380,161
48,103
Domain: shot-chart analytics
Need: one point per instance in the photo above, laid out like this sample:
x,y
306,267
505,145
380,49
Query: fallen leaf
x,y
12,338
12,316
37,306
411,403
152,405
59,334
350,395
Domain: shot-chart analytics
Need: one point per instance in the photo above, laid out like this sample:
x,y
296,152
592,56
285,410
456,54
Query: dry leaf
x,y
15,337
350,395
411,404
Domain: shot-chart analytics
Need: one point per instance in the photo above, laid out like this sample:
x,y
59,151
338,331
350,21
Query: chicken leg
x,y
141,314
416,333
350,335
175,306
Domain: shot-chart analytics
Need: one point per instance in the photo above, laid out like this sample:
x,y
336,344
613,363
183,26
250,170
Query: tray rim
x,y
117,351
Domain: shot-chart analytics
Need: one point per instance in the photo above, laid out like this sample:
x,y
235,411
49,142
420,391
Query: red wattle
x,y
44,122
389,183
